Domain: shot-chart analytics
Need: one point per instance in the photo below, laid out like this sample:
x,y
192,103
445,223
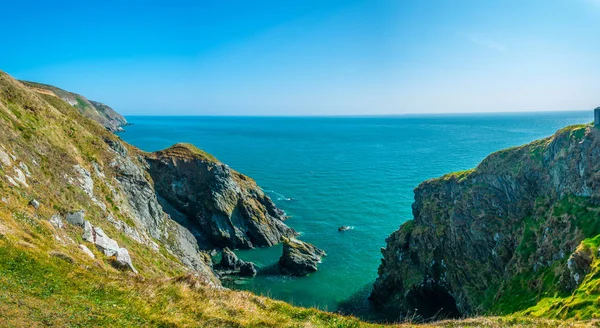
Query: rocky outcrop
x,y
231,264
512,221
299,258
222,207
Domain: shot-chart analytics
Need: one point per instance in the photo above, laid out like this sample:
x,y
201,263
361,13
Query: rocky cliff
x,y
221,206
171,205
515,232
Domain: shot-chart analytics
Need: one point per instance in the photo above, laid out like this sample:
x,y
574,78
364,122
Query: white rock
x,y
87,251
106,245
4,158
85,180
88,232
20,177
11,181
124,260
56,221
24,167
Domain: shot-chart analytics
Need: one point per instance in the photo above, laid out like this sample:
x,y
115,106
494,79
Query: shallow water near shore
x,y
329,172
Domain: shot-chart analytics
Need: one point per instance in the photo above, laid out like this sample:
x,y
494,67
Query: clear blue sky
x,y
310,57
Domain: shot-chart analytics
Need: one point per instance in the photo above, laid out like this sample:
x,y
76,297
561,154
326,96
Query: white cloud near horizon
x,y
491,43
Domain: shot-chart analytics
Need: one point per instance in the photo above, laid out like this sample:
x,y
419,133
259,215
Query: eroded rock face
x,y
144,206
521,212
299,258
222,207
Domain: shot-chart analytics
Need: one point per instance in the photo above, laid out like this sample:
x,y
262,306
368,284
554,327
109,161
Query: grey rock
x,y
123,260
226,208
248,269
34,203
76,218
299,258
231,264
105,244
88,232
87,251
56,221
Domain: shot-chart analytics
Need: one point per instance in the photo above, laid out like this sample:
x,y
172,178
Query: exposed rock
x,y
5,159
34,203
231,264
123,260
84,180
474,232
88,232
299,258
56,221
578,266
76,218
25,168
20,177
221,206
87,251
104,243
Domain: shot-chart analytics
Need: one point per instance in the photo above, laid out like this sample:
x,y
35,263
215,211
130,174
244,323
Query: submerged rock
x,y
299,258
231,264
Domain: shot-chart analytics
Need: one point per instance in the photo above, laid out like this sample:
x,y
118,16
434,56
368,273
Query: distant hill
x,y
97,111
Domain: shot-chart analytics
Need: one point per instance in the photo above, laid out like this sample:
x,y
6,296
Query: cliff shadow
x,y
182,219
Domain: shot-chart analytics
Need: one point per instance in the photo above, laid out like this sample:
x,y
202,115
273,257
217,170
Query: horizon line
x,y
370,115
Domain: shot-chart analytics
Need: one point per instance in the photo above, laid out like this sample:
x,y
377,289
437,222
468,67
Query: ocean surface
x,y
327,172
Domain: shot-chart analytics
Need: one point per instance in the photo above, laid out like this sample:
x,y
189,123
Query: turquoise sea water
x,y
328,172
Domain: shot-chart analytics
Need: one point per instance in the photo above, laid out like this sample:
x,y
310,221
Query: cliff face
x,y
515,230
221,206
159,212
94,110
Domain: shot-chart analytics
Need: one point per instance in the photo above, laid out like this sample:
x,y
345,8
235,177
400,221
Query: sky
x,y
310,57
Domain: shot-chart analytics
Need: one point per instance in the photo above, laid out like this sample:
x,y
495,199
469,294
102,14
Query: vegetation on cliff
x,y
63,177
517,234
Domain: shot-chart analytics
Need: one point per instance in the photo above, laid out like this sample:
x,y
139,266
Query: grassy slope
x,y
46,280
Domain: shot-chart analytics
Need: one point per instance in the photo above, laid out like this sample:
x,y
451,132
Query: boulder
x,y
88,232
299,258
76,218
106,245
123,260
230,263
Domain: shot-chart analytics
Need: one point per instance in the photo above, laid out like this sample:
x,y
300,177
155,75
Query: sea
x,y
327,172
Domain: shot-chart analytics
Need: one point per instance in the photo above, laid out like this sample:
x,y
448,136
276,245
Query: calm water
x,y
329,172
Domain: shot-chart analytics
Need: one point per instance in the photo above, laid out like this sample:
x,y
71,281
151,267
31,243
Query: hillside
x,y
94,110
517,234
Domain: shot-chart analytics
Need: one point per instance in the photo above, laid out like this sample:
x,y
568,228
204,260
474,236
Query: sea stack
x,y
597,117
